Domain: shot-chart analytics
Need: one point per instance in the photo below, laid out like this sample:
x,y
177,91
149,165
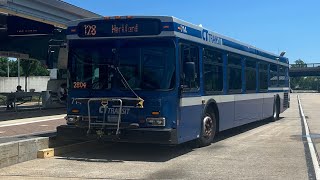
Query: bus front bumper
x,y
138,135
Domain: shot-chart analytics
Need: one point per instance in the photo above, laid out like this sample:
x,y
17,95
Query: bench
x,y
18,98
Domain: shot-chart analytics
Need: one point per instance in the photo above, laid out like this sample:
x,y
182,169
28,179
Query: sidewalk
x,y
28,124
11,115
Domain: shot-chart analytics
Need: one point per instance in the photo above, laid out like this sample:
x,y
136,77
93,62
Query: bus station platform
x,y
260,150
15,125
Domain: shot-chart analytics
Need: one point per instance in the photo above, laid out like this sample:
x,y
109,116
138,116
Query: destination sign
x,y
123,27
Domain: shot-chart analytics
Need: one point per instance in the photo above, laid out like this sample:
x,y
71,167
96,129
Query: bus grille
x,y
286,100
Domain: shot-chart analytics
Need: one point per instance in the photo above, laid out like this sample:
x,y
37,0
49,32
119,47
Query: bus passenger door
x,y
190,99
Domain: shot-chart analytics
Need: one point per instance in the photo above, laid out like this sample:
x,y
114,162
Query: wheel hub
x,y
207,126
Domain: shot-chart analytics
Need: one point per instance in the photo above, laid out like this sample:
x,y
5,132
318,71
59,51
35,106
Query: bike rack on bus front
x,y
104,103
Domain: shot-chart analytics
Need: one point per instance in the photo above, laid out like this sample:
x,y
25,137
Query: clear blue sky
x,y
272,25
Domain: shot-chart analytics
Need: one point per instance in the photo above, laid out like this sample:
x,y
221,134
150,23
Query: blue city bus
x,y
158,79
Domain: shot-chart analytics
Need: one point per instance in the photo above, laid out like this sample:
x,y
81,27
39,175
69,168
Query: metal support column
x,y
18,59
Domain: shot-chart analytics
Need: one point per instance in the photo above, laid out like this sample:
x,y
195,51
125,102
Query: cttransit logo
x,y
206,36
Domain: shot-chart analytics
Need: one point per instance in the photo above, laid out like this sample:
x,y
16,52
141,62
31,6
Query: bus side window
x,y
282,76
263,77
234,73
189,54
212,71
273,73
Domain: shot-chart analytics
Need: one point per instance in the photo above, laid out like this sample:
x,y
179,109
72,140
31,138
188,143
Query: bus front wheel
x,y
208,129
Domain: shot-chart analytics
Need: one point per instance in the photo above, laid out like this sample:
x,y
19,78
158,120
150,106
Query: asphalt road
x,y
262,150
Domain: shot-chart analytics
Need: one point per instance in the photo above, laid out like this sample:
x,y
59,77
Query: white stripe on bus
x,y
192,101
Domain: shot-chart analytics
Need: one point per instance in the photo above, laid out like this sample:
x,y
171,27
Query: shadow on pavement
x,y
30,113
119,152
241,129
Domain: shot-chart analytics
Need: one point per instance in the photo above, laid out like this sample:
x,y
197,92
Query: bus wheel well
x,y
212,107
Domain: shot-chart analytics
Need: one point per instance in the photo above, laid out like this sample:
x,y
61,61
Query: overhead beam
x,y
302,72
54,12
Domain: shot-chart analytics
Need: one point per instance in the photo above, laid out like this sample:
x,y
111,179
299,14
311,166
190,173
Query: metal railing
x,y
310,65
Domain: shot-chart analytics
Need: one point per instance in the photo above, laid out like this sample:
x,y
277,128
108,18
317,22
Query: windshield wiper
x,y
126,84
124,81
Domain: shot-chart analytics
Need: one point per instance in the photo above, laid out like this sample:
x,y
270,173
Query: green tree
x,y
28,67
13,68
32,67
299,63
40,71
3,66
305,83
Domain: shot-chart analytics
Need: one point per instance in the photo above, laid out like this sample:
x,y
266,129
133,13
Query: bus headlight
x,y
161,121
72,119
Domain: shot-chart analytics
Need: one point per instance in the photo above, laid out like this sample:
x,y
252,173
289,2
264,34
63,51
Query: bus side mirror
x,y
63,58
190,71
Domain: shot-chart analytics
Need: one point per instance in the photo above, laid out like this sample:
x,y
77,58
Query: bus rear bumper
x,y
139,135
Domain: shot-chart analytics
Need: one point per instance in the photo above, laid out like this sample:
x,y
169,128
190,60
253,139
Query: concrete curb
x,y
73,147
20,151
68,148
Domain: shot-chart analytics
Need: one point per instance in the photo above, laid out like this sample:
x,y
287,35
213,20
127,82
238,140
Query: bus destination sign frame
x,y
121,27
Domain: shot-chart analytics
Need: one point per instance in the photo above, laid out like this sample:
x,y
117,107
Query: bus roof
x,y
172,26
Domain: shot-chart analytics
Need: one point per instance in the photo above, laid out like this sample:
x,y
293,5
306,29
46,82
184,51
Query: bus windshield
x,y
144,64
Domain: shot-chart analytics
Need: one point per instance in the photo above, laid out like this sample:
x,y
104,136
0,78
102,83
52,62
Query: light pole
x,y
8,68
18,71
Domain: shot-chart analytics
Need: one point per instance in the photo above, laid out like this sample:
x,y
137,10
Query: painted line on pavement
x,y
312,150
29,122
29,135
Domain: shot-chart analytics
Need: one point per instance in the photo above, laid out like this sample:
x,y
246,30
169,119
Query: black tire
x,y
276,110
208,130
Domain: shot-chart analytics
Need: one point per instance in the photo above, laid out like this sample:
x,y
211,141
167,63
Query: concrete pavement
x,y
311,107
262,150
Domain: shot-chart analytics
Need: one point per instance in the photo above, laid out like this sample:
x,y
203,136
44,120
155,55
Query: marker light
x,y
155,113
106,18
166,27
73,30
117,17
129,17
75,110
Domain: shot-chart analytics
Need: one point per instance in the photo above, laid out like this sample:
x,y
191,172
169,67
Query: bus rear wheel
x,y
208,130
276,110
